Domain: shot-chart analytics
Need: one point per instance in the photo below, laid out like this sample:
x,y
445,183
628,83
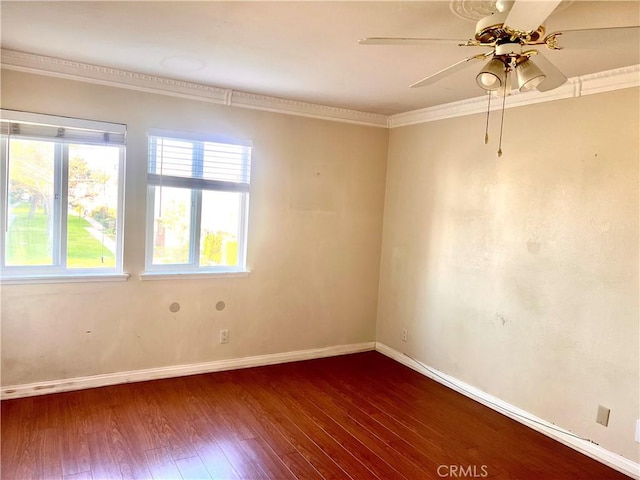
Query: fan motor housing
x,y
492,30
509,49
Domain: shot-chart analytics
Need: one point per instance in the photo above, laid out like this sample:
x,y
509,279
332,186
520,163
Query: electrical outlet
x,y
603,415
404,334
638,430
224,336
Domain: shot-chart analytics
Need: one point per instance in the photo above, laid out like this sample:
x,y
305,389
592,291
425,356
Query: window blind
x,y
61,129
203,165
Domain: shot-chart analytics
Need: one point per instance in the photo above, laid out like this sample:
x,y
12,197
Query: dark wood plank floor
x,y
360,416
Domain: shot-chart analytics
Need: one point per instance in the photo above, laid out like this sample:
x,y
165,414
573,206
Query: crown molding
x,y
601,82
60,68
294,107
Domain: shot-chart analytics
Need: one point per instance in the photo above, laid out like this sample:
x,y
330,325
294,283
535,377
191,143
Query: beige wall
x,y
516,275
314,246
519,275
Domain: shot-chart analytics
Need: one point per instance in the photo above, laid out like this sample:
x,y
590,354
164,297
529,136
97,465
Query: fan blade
x,y
456,67
597,37
528,15
410,41
554,77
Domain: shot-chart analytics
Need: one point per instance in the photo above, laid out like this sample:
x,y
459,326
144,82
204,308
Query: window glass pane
x,y
220,228
172,224
30,233
93,206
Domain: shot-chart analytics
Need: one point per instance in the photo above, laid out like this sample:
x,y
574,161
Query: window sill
x,y
191,275
80,278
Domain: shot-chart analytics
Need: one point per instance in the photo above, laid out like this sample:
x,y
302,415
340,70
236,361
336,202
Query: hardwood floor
x,y
360,416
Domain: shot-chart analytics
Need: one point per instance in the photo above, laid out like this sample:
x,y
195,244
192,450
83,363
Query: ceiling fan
x,y
511,34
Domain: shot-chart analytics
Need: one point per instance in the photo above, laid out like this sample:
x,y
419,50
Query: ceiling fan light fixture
x,y
529,75
504,90
490,77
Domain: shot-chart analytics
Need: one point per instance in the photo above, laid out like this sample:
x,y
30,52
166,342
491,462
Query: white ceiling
x,y
305,51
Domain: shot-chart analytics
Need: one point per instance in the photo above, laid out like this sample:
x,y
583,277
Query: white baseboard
x,y
93,381
585,447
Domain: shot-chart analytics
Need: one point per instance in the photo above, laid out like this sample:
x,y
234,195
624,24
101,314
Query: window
x,y
198,197
62,196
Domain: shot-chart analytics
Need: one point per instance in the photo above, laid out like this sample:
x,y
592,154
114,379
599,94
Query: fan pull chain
x,y
504,99
486,129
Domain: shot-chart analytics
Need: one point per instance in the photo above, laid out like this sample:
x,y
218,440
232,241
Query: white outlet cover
x,y
224,336
638,430
603,416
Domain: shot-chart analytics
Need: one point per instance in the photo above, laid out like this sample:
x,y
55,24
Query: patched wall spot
x,y
533,247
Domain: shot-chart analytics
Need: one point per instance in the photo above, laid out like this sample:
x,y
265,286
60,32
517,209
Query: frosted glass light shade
x,y
490,77
529,76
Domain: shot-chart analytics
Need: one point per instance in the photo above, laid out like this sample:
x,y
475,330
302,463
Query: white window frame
x,y
59,271
193,269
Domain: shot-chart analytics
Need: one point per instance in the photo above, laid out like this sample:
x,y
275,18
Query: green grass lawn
x,y
28,242
83,249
